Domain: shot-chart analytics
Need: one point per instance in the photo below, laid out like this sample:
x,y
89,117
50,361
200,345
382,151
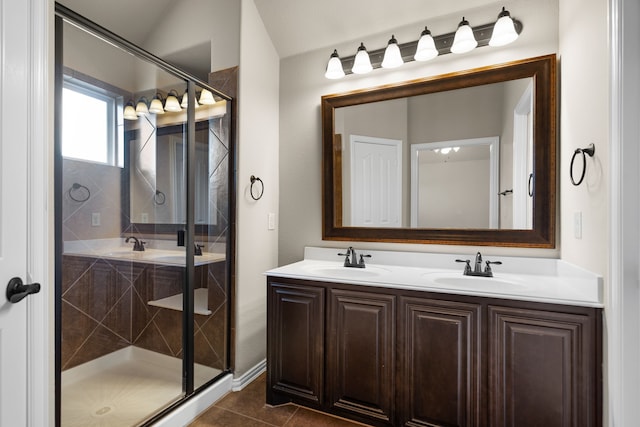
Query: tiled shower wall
x,y
104,309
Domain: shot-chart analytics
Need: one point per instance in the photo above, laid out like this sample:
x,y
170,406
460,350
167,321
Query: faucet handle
x,y
362,257
487,269
467,267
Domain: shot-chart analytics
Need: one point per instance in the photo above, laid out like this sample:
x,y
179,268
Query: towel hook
x,y
253,181
590,150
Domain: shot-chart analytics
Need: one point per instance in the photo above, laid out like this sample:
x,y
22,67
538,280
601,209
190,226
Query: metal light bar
x,y
443,43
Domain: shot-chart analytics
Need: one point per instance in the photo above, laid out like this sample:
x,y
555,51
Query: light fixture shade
x,y
426,49
206,97
464,40
130,112
141,107
362,63
156,105
185,100
392,56
504,31
334,67
171,103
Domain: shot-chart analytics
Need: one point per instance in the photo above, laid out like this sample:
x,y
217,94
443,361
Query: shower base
x,y
123,388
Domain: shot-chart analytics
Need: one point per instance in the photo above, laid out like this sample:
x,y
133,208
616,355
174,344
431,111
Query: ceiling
x,y
295,26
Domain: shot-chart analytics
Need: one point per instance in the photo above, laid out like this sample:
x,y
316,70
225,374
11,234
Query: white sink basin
x,y
347,272
489,284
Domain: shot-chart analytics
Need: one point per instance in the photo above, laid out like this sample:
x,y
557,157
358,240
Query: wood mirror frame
x,y
542,235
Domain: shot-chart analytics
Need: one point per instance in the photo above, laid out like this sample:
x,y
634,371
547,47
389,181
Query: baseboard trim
x,y
246,379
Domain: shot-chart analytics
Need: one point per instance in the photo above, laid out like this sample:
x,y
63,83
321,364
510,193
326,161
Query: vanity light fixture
x,y
141,107
465,39
426,49
504,32
334,67
185,100
171,104
392,55
130,112
362,63
206,98
156,105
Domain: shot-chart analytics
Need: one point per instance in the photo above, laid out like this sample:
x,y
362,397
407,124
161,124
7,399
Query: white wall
x,y
192,22
302,83
257,155
584,119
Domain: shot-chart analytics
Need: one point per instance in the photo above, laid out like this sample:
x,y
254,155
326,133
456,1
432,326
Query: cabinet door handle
x,y
16,290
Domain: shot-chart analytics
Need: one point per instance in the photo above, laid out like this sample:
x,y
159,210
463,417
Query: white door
x,y
376,182
15,134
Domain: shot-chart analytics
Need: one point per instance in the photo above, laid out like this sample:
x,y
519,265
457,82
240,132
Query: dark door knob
x,y
16,290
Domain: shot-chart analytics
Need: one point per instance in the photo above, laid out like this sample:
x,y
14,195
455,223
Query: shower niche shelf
x,y
174,302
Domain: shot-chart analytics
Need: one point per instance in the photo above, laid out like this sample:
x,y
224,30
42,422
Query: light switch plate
x,y
95,219
577,225
272,221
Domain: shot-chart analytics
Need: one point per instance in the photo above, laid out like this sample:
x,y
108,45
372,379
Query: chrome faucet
x,y
197,250
477,268
138,245
351,259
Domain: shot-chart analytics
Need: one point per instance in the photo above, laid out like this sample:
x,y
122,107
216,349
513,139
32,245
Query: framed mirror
x,y
467,158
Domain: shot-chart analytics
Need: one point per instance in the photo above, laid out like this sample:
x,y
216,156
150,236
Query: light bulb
x,y
206,97
156,105
130,112
171,103
504,31
141,107
426,49
334,67
362,63
392,55
464,40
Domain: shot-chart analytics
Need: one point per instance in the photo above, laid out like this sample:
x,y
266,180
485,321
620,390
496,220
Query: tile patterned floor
x,y
247,408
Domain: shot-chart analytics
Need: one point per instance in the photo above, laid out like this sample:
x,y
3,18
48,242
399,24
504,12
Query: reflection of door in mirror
x,y
523,180
374,193
455,184
177,174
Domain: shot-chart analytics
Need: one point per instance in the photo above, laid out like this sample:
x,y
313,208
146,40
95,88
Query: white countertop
x,y
116,249
529,279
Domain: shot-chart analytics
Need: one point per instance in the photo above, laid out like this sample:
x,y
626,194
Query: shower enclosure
x,y
144,236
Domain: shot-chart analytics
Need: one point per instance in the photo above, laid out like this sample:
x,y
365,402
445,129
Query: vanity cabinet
x,y
439,362
295,344
360,357
394,357
542,368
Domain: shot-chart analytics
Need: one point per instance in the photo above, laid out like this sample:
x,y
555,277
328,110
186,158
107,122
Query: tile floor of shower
x,y
123,388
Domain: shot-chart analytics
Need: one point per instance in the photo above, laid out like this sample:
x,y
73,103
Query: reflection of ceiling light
x,y
156,105
206,98
456,149
185,100
171,103
445,150
141,107
130,112
436,150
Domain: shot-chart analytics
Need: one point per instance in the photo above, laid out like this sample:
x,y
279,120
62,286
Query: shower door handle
x,y
16,290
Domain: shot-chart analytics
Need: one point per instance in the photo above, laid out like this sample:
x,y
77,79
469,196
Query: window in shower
x,y
143,231
90,110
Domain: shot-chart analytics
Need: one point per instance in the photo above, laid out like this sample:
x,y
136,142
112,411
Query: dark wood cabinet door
x,y
542,369
295,344
439,363
360,355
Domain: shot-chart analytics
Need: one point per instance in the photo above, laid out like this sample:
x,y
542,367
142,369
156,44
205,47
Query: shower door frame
x,y
64,14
